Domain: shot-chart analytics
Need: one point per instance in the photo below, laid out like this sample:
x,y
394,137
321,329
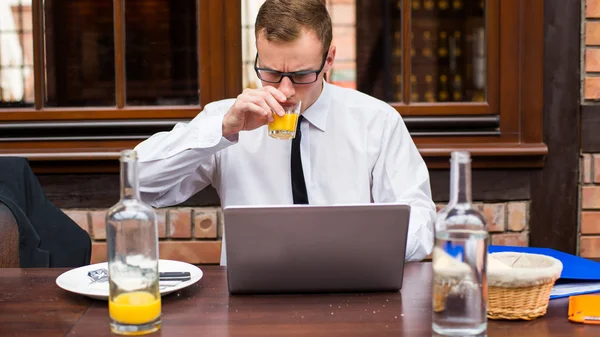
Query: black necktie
x,y
298,183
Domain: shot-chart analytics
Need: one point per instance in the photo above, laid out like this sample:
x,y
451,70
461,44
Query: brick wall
x,y
193,235
185,234
508,222
591,52
589,240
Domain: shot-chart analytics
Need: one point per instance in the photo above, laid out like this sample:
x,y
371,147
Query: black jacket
x,y
47,236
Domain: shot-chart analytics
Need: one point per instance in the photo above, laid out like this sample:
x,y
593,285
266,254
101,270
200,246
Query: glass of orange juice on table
x,y
284,127
134,304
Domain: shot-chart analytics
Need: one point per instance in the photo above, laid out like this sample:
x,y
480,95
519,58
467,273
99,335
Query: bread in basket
x,y
519,284
448,272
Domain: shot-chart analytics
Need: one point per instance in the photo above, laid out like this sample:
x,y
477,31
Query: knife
x,y
174,276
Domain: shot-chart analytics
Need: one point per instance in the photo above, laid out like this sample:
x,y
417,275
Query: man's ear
x,y
330,58
329,62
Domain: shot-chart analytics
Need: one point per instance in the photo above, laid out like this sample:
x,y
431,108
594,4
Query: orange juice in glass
x,y
134,302
284,127
136,309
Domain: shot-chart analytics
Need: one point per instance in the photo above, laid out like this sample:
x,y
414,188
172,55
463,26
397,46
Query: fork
x,y
101,275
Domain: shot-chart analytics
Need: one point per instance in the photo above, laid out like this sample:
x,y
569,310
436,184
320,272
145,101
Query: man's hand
x,y
252,109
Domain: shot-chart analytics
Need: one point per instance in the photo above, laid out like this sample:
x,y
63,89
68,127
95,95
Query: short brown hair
x,y
282,20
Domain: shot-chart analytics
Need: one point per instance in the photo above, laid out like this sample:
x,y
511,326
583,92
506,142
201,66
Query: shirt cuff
x,y
210,133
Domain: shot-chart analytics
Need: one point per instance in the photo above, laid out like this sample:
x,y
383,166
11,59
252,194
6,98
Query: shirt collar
x,y
316,114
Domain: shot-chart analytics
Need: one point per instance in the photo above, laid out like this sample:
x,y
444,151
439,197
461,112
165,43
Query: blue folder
x,y
580,274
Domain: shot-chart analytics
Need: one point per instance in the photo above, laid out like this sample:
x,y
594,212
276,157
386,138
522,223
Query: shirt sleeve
x,y
401,176
175,165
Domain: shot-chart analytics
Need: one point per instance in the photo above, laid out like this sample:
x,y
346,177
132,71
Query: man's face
x,y
305,53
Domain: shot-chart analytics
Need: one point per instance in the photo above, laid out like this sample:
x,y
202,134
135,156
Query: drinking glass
x,y
284,127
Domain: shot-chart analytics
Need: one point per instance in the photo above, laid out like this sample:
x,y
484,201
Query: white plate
x,y
77,280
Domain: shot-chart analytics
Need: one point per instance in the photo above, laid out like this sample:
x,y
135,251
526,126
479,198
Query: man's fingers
x,y
261,101
258,112
273,104
255,109
279,96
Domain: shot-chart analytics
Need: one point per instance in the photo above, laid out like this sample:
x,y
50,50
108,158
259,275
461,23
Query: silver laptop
x,y
308,249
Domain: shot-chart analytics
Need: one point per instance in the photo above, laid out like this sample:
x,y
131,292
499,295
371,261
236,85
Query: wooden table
x,y
32,305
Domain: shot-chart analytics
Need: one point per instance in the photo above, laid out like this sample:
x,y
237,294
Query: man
x,y
349,148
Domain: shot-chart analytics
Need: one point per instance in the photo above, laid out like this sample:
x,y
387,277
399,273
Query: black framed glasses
x,y
297,77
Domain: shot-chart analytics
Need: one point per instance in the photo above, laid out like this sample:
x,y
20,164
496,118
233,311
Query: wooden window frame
x,y
219,77
518,97
507,129
515,96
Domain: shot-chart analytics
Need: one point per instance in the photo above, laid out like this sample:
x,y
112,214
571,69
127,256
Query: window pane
x,y
16,54
448,59
249,11
343,16
161,52
379,52
80,66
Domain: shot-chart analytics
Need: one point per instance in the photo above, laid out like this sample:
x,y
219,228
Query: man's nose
x,y
287,87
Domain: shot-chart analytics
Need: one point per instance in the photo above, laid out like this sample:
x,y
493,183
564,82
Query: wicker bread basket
x,y
519,284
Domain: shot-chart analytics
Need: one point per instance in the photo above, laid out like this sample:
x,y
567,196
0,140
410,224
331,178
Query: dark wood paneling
x,y
509,65
487,185
532,85
590,124
554,190
38,53
233,48
120,72
141,129
99,113
406,45
204,68
101,191
217,52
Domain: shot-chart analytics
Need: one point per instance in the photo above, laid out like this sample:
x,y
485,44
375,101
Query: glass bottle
x,y
443,94
429,95
416,5
443,45
426,52
457,5
132,244
443,4
429,5
414,91
457,44
460,259
413,51
457,88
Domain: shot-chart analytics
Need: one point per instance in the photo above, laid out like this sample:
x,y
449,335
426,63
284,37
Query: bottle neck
x,y
130,188
460,182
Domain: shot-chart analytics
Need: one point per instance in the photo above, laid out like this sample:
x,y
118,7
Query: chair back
x,y
9,239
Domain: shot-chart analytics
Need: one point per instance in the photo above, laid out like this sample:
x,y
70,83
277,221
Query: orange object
x,y
137,307
584,309
286,122
283,127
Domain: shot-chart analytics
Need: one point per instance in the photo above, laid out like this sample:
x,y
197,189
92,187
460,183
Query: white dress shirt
x,y
355,149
